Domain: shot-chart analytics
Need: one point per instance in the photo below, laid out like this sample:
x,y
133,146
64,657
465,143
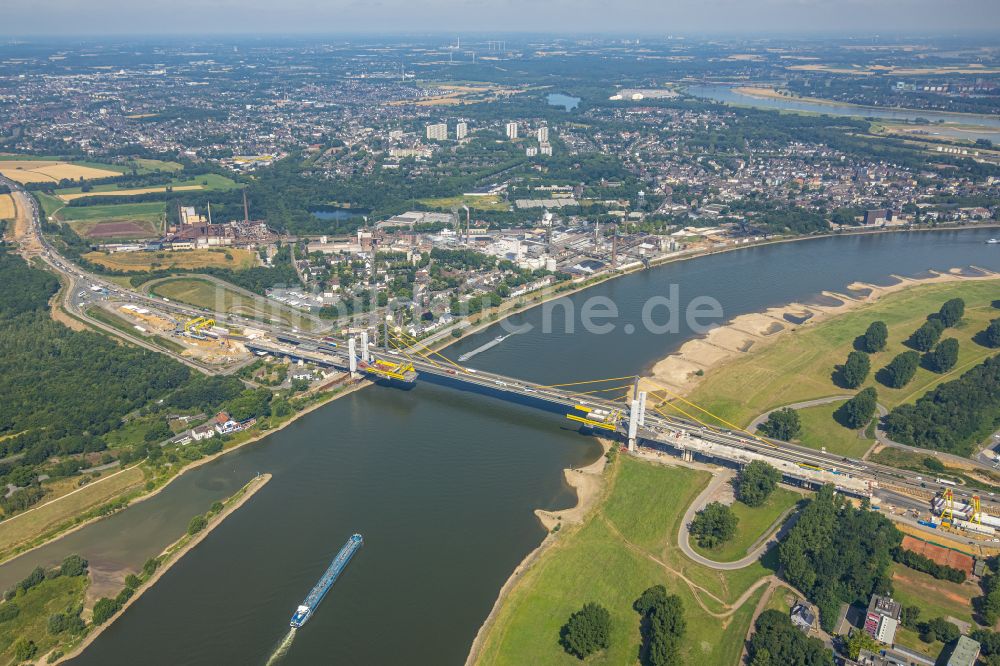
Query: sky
x,y
660,17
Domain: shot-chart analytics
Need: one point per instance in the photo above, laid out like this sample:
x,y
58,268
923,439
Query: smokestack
x,y
246,207
210,212
614,248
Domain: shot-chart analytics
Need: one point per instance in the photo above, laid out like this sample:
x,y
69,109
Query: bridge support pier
x,y
687,455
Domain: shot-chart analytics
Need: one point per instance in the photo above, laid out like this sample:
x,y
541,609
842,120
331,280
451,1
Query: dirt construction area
x,y
214,350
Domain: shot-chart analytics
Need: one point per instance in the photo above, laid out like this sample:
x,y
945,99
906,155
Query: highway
x,y
805,465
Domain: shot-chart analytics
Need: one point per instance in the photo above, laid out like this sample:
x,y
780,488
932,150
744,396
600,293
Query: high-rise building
x,y
461,130
543,134
511,131
438,131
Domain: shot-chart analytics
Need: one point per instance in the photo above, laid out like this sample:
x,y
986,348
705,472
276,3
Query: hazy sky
x,y
541,16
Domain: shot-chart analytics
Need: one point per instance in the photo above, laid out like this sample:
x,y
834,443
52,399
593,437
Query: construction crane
x,y
196,325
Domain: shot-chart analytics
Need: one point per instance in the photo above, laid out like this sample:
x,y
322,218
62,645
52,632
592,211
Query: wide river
x,y
442,483
980,126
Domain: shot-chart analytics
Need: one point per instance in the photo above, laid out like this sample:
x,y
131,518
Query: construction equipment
x,y
196,325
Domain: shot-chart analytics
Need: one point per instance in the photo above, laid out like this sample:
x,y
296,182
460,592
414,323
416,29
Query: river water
x,y
442,483
988,127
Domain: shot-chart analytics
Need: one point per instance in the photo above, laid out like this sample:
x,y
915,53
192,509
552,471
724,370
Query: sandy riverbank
x,y
683,370
172,557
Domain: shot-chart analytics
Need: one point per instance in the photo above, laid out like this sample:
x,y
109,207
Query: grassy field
x,y
754,522
936,598
491,202
37,605
25,528
627,545
819,430
147,166
187,259
151,210
69,196
799,366
206,294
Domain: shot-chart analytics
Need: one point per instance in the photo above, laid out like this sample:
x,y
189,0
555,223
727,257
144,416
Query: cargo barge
x,y
326,581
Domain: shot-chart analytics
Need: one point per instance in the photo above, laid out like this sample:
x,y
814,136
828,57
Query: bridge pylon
x,y
365,353
352,354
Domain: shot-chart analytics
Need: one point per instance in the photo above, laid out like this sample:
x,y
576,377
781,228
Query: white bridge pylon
x,y
636,418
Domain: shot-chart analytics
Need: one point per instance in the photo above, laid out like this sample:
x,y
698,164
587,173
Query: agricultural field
x,y
754,523
799,365
114,222
490,203
209,181
626,545
52,171
185,259
7,209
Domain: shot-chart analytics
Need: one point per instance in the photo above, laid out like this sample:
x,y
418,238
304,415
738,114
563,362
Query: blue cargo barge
x,y
326,581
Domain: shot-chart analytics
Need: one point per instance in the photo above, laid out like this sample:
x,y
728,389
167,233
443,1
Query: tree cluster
x,y
900,369
927,335
663,626
777,642
875,337
859,410
783,424
756,481
955,415
837,553
855,370
944,356
714,525
587,631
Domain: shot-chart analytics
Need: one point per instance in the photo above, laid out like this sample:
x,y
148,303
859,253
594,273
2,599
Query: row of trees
x,y
925,564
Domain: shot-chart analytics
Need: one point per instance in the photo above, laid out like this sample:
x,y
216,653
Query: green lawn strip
x,y
799,366
820,430
752,525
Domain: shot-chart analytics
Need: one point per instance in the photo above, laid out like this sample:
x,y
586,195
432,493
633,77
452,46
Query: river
x,y
980,126
441,482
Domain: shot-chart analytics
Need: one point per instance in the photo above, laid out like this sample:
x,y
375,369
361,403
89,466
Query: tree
x,y
927,335
939,629
73,565
158,431
901,369
875,337
859,410
776,642
150,566
909,616
24,649
663,625
782,424
951,312
756,482
944,356
196,525
858,641
132,581
587,631
104,609
991,336
856,369
714,525
57,623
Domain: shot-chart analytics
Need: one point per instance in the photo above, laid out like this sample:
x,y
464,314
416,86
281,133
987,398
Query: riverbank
x,y
773,93
171,555
588,482
143,496
681,372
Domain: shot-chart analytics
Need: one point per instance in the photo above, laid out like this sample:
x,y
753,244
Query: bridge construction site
x,y
656,419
